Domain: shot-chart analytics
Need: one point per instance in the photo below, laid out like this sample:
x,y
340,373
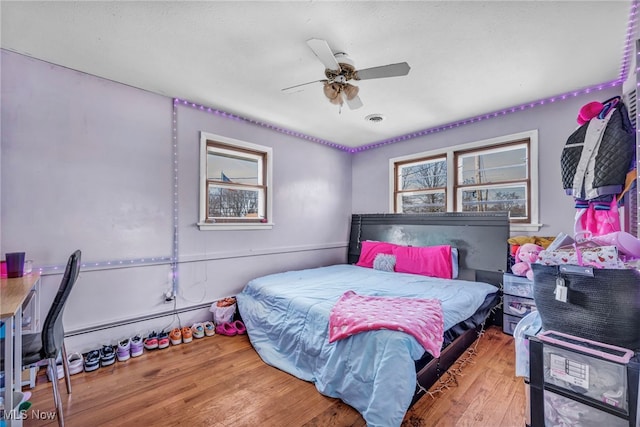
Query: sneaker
x,y
137,346
75,362
124,350
198,330
209,329
107,355
60,372
92,360
175,336
151,342
163,340
187,334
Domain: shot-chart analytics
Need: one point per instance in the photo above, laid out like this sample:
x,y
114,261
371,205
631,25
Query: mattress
x,y
287,318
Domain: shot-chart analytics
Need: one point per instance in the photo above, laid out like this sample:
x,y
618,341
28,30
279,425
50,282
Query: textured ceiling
x,y
467,58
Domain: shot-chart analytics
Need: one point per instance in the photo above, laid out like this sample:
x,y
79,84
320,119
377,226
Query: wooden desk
x,y
13,293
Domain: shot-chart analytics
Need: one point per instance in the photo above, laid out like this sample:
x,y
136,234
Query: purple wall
x,y
88,163
554,122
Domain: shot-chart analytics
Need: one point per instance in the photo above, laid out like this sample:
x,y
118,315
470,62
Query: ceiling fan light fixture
x,y
351,91
375,118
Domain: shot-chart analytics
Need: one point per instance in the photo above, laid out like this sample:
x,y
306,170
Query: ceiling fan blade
x,y
391,70
354,103
290,88
323,52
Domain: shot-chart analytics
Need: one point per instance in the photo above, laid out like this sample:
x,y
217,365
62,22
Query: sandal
x,y
226,329
240,327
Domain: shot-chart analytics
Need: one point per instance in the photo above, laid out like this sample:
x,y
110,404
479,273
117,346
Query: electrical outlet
x,y
168,296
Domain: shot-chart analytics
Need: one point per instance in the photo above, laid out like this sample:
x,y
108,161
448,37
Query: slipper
x,y
227,329
240,328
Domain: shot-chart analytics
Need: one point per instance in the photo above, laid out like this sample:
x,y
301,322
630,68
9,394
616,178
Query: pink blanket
x,y
421,318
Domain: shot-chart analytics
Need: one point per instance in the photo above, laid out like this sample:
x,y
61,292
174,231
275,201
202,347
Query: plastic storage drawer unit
x,y
517,285
575,381
517,300
518,306
509,323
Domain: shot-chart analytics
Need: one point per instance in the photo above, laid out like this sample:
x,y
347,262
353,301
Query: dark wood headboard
x,y
481,238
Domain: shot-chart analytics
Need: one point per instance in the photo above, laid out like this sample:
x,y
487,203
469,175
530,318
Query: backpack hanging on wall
x,y
602,169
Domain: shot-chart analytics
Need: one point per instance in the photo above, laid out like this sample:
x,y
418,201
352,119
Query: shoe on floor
x,y
163,340
209,329
92,360
151,342
175,336
107,355
226,329
137,346
60,372
75,362
198,330
124,350
187,334
240,327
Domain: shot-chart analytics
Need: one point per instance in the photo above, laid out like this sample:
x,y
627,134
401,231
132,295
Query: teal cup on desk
x,y
15,264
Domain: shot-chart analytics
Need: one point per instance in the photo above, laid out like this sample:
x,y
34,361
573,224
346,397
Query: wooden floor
x,y
221,381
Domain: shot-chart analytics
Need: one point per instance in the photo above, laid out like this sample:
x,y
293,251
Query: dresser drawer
x,y
517,285
518,306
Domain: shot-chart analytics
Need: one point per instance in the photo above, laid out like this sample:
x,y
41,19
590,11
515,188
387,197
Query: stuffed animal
x,y
526,255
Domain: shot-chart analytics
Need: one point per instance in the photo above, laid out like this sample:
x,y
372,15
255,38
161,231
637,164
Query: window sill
x,y
524,227
207,226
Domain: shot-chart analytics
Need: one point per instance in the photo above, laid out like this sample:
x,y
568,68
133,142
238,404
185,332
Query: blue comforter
x,y
287,319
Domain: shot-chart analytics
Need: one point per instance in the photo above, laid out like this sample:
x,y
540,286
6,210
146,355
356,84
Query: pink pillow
x,y
370,249
433,261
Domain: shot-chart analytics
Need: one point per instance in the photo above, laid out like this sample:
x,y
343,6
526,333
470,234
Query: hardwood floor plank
x,y
221,381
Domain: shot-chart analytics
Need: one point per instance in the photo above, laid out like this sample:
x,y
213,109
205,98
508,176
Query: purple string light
x,y
226,115
624,70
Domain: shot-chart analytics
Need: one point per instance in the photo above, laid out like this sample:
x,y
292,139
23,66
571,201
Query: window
x,y
235,178
485,176
422,185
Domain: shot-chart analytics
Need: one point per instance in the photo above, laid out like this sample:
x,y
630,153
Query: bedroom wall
x,y
88,163
554,122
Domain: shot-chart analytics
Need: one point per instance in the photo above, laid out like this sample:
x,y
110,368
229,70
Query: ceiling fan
x,y
339,69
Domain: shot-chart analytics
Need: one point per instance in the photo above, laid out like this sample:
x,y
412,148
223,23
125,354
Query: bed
x,y
382,372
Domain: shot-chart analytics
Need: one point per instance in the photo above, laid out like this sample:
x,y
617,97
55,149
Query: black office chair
x,y
49,344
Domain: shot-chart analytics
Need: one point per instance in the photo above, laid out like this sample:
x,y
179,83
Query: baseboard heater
x,y
137,319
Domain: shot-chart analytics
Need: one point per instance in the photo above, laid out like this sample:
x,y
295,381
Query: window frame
x,y
452,153
397,193
242,149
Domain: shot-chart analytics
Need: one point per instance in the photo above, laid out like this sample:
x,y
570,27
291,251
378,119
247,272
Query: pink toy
x,y
526,255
